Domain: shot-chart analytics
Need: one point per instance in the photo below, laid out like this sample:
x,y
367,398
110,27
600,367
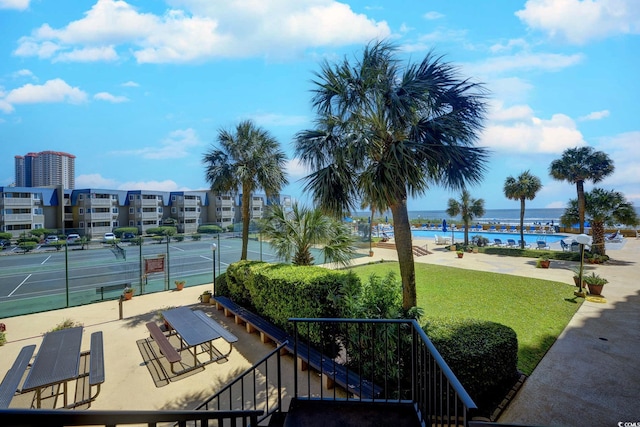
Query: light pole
x,y
213,251
583,239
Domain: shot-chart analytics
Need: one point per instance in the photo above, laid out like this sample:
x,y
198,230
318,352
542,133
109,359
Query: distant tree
x,y
602,207
523,188
468,209
247,160
578,165
386,132
293,233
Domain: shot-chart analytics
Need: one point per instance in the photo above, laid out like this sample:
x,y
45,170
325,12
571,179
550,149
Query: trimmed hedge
x,y
121,230
531,253
280,291
162,231
209,229
482,354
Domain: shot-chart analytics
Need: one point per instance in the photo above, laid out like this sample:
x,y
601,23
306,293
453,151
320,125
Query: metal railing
x,y
257,388
393,359
62,417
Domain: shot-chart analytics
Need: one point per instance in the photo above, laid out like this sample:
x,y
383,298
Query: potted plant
x,y
205,297
460,253
543,262
576,277
595,283
180,284
3,336
127,292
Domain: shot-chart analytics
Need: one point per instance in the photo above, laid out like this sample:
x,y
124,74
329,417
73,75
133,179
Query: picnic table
x,y
56,363
195,328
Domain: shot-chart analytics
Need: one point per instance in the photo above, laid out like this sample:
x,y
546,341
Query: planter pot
x,y
545,264
576,280
205,298
595,289
460,255
452,248
475,250
179,285
128,295
370,253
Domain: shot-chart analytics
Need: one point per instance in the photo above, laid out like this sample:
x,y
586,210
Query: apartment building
x,y
23,209
93,212
46,168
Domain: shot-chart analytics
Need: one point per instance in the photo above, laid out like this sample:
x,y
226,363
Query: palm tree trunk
x,y
597,244
402,234
580,189
466,232
521,222
246,201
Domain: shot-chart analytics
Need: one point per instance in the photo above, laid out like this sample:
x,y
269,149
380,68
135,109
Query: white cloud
x,y
25,73
14,4
623,150
515,129
175,146
526,61
90,54
130,84
580,21
596,115
106,96
433,15
510,45
94,180
295,170
166,185
56,90
196,31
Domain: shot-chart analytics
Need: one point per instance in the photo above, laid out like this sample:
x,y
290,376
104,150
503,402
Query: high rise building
x,y
45,168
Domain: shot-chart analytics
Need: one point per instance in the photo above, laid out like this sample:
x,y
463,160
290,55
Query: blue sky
x,y
138,90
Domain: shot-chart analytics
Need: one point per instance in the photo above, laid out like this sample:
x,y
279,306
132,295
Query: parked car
x,y
127,236
73,239
109,237
4,243
50,239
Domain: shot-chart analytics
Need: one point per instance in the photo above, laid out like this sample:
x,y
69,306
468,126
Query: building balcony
x,y
17,217
18,201
98,202
99,216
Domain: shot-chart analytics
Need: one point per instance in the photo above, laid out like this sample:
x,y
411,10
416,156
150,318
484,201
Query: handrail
x,y
65,417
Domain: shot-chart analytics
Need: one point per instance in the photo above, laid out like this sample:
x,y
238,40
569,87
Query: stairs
x,y
417,250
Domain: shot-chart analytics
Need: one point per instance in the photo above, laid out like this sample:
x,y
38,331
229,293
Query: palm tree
x,y
578,165
297,231
247,160
467,208
523,188
385,133
603,207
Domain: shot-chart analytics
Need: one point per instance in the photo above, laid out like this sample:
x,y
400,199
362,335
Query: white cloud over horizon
x,y
195,31
106,96
176,145
52,91
14,4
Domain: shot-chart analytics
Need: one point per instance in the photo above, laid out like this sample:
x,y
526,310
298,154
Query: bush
x,y
483,355
25,239
179,238
5,236
27,246
196,237
209,229
121,230
162,231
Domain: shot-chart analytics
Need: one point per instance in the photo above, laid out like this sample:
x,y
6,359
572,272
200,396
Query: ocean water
x,y
499,216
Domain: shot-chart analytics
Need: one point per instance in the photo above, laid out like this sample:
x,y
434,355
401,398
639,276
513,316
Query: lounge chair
x,y
541,244
498,242
492,228
575,246
565,246
526,245
503,229
441,240
513,229
511,243
614,238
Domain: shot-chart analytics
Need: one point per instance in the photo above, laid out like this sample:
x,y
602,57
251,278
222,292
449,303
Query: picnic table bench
x,y
331,371
11,381
102,289
170,353
94,376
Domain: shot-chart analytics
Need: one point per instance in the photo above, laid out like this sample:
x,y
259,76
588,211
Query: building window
x,y
114,210
131,211
81,197
173,210
81,224
173,198
81,211
131,223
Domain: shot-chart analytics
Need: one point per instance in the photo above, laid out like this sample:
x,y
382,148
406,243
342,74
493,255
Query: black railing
x,y
257,388
383,361
65,417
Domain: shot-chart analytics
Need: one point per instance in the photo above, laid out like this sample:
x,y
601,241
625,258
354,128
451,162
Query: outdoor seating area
x,y
59,371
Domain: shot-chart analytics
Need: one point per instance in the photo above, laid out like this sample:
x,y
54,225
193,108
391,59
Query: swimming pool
x,y
530,238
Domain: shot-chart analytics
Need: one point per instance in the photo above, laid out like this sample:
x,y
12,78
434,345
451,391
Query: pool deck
x,y
590,376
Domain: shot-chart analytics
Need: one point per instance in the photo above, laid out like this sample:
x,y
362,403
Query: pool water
x,y
530,238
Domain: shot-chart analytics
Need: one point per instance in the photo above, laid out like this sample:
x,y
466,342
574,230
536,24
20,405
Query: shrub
x,y
483,355
162,231
179,238
136,241
158,239
209,229
5,236
196,237
66,324
121,230
27,246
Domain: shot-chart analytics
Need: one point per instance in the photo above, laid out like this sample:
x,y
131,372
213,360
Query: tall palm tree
x,y
247,160
523,188
293,233
578,165
468,208
602,207
385,133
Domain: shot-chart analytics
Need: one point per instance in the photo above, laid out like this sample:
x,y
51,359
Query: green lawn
x,y
538,310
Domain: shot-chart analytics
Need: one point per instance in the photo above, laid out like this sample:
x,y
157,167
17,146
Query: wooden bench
x,y
102,289
170,353
11,381
332,373
93,376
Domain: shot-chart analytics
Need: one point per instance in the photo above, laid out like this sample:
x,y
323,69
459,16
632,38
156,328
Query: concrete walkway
x,y
590,376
